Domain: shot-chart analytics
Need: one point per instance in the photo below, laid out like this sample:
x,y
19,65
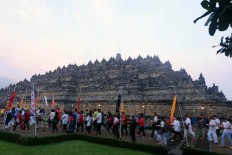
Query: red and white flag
x,y
53,102
46,100
79,102
33,102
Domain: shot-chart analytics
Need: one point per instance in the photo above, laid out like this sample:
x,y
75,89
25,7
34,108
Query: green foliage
x,y
9,136
220,18
191,151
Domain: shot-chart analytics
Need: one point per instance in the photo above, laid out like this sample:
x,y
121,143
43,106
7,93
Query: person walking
x,y
26,116
212,131
81,121
115,125
110,121
176,129
188,127
226,125
19,121
89,122
95,119
99,122
141,125
154,123
132,127
64,120
55,122
124,123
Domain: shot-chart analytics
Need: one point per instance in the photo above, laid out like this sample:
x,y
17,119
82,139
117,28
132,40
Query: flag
x,y
33,102
11,101
21,103
122,106
46,100
53,102
118,104
79,102
36,100
173,109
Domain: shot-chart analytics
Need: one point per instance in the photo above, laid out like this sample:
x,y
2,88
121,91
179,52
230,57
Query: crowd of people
x,y
91,122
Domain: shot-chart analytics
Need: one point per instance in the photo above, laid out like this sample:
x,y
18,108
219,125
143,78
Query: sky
x,y
40,35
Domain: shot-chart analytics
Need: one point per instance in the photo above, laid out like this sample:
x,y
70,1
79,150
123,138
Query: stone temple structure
x,y
142,81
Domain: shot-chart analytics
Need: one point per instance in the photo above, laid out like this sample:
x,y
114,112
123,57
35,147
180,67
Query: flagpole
x,y
34,109
120,116
25,98
186,138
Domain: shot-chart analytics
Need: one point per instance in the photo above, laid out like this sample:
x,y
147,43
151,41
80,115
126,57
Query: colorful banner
x,y
21,103
173,109
53,102
11,101
33,103
79,102
36,100
46,100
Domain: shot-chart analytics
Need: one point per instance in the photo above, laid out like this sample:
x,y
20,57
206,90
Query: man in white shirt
x,y
154,123
99,122
51,117
188,127
177,129
115,125
212,131
226,125
217,124
64,119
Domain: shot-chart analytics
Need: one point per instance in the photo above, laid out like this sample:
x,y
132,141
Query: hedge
x,y
9,136
194,151
31,141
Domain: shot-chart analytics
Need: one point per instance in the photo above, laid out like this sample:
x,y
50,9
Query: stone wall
x,y
162,109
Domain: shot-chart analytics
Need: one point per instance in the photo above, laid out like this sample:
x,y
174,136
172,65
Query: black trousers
x,y
141,128
132,134
177,133
24,125
124,126
115,130
82,126
98,128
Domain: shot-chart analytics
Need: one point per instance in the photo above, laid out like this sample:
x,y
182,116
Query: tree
x,y
220,18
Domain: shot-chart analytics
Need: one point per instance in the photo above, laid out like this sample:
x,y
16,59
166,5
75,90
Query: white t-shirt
x,y
116,120
176,124
212,125
99,118
217,121
162,123
88,119
188,121
65,119
155,119
52,114
227,127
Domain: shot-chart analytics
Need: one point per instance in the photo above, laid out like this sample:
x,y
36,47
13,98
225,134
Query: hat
x,y
26,108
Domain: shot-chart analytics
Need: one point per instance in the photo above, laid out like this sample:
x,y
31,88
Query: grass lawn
x,y
65,148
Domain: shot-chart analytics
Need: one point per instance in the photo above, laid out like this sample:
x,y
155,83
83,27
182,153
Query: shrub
x,y
194,151
31,141
9,136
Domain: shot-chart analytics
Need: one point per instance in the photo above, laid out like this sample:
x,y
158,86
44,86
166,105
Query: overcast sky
x,y
40,35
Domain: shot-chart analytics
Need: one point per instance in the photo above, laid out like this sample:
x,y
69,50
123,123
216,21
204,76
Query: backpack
x,y
193,120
